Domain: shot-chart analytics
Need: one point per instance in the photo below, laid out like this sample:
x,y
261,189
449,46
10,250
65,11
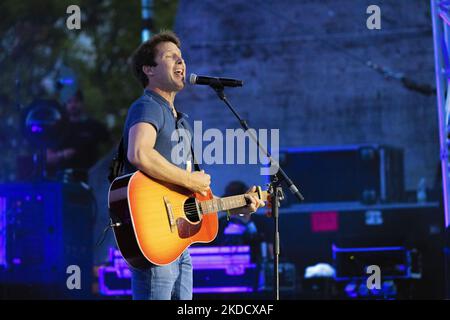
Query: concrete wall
x,y
304,67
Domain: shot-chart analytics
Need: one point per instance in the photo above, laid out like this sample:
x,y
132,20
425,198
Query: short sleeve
x,y
145,111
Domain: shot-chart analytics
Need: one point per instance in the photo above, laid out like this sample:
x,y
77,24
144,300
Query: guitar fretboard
x,y
228,203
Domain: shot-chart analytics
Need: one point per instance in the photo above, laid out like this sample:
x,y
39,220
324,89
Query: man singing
x,y
151,120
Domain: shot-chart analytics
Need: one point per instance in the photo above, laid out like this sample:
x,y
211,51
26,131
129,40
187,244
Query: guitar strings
x,y
191,206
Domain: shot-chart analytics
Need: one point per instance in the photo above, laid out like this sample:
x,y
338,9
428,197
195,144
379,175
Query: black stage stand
x,y
275,188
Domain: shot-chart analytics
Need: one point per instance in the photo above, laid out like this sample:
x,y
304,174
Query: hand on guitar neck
x,y
199,182
253,203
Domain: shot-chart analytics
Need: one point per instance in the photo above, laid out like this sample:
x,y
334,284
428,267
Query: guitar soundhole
x,y
191,210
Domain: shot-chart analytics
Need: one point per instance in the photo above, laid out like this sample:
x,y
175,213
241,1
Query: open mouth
x,y
180,73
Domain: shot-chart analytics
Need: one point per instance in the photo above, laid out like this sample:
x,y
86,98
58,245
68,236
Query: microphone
x,y
214,82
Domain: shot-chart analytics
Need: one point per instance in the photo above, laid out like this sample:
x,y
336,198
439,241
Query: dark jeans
x,y
169,282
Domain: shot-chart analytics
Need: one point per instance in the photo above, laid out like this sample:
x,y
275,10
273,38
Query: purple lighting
x,y
369,249
36,129
222,289
234,228
104,289
444,6
228,261
218,250
233,259
3,233
66,81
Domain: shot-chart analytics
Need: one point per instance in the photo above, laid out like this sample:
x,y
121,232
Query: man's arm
x,y
142,155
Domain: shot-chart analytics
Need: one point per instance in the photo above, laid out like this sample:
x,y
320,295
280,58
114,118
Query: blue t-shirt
x,y
154,109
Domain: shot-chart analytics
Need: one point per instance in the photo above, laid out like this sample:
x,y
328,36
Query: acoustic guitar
x,y
155,221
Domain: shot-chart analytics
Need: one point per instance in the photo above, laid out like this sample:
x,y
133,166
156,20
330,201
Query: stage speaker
x,y
46,235
306,240
223,269
366,173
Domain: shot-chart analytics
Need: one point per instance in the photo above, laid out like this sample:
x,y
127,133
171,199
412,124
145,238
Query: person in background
x,y
79,148
237,229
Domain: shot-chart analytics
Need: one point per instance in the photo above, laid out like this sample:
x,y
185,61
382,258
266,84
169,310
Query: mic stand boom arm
x,y
275,188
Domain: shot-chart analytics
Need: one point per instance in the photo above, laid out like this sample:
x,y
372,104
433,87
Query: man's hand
x,y
198,181
253,203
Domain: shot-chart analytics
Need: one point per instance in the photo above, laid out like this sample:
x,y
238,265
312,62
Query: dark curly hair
x,y
145,54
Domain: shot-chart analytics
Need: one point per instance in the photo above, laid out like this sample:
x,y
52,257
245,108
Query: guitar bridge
x,y
169,214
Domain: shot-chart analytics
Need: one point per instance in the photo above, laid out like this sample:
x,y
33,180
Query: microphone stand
x,y
275,187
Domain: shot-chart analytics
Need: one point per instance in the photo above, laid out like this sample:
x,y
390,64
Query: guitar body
x,y
156,221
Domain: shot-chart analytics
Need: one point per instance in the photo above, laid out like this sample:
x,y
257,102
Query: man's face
x,y
170,72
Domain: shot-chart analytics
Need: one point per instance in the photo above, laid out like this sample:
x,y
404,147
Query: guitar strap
x,y
115,170
196,165
188,126
118,162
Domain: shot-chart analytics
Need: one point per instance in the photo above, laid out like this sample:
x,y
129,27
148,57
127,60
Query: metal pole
x,y
147,19
441,80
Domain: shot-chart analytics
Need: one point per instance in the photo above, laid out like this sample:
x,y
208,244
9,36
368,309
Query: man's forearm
x,y
155,165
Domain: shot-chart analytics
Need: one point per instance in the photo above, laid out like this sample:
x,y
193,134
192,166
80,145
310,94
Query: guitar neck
x,y
229,203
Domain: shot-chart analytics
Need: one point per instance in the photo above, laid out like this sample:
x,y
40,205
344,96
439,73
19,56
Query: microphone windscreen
x,y
193,78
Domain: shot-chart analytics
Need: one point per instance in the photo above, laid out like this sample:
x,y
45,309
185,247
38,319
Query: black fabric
x,y
116,167
85,137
